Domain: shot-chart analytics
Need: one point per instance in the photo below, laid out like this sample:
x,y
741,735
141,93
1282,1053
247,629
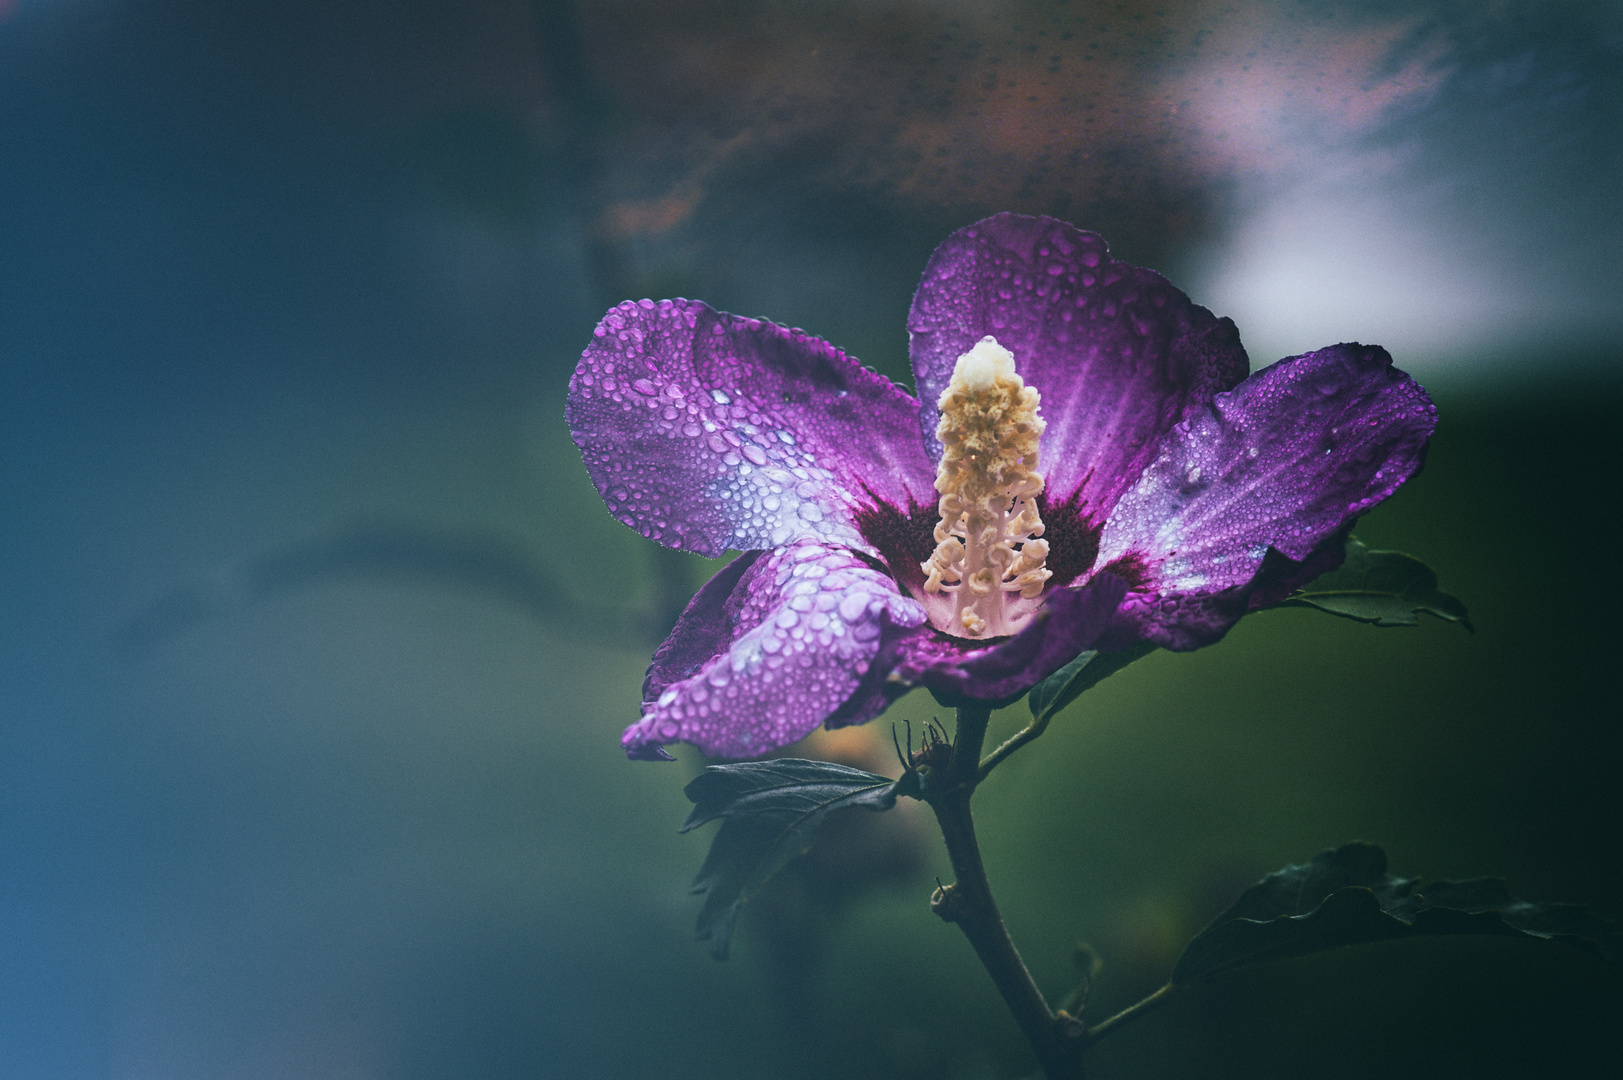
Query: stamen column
x,y
987,542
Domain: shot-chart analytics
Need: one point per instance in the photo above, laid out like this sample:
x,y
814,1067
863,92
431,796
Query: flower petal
x,y
1070,621
1282,464
1118,354
807,622
706,431
704,630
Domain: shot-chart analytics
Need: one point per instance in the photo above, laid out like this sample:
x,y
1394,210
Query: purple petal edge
x,y
708,432
1256,493
704,629
791,639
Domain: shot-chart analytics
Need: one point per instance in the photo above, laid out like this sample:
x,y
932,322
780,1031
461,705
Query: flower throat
x,y
987,545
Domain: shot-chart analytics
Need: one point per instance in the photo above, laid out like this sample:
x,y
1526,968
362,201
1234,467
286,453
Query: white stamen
x,y
980,368
987,546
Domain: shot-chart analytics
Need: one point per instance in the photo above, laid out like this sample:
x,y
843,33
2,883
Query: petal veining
x,y
1118,354
1281,464
705,431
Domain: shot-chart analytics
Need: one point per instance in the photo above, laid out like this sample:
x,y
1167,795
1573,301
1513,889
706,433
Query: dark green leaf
x,y
770,811
1387,588
1061,688
1346,897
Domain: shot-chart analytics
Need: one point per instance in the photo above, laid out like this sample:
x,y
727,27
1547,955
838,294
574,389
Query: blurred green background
x,y
317,642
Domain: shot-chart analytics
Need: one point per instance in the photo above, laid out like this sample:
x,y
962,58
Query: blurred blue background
x,y
315,641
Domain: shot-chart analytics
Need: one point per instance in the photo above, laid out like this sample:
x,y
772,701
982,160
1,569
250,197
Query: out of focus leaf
x,y
1089,668
1088,965
1387,588
769,812
1344,896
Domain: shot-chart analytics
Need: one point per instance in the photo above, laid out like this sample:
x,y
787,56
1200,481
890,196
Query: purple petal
x,y
1282,464
1071,621
806,624
1279,576
704,630
1118,354
706,432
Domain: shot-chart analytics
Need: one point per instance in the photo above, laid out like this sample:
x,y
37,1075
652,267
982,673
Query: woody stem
x,y
1058,1041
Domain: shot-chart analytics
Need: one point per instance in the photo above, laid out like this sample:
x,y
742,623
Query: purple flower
x,y
1087,466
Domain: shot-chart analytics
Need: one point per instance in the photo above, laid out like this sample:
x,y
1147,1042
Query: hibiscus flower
x,y
1087,466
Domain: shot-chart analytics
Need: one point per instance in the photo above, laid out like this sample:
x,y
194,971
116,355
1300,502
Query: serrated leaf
x,y
769,812
1387,588
1088,669
1344,896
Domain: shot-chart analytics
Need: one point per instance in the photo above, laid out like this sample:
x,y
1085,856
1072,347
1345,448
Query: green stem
x,y
1057,1040
1014,742
1129,1014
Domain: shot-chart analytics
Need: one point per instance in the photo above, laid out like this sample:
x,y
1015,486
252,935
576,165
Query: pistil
x,y
987,541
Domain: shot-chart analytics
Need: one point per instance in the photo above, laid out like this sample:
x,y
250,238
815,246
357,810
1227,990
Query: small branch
x,y
1015,742
1129,1014
1058,1041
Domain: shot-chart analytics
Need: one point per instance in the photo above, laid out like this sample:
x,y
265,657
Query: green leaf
x,y
1061,688
770,812
1387,588
1344,896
